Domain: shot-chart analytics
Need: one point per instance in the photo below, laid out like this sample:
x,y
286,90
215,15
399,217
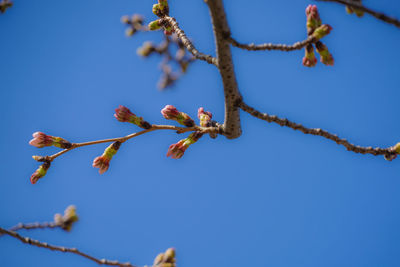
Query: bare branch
x,y
378,15
270,46
188,44
37,225
231,126
387,152
37,243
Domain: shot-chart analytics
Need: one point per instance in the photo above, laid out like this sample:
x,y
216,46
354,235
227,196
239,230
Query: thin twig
x,y
188,44
37,225
37,243
125,138
270,46
378,15
316,131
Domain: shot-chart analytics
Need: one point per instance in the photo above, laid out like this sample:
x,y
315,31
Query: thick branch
x,y
387,152
270,46
37,243
188,44
231,126
378,15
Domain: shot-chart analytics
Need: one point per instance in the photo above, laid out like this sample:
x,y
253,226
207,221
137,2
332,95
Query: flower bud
x,y
146,49
123,114
323,51
154,25
41,140
166,259
204,117
321,31
177,150
309,60
40,172
125,19
103,162
171,113
313,19
69,218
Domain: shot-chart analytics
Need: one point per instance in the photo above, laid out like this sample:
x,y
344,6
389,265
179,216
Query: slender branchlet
x,y
359,6
37,243
389,152
270,46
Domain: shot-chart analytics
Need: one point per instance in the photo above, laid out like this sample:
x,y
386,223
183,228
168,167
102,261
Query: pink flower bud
x,y
313,19
309,60
40,172
323,51
171,113
204,117
177,150
41,140
103,162
123,114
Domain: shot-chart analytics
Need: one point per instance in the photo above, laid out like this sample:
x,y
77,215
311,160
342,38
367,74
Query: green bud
x,y
154,25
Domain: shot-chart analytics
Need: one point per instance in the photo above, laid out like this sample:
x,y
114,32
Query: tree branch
x,y
387,152
270,46
37,243
212,130
37,225
231,126
378,15
188,44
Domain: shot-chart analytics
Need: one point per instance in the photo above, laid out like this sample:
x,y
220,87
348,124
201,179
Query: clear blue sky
x,y
273,197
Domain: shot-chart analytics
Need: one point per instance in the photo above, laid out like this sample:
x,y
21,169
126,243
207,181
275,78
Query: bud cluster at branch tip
x,y
135,23
166,259
171,113
123,114
316,30
69,218
103,162
40,172
204,117
161,10
351,10
177,150
395,150
41,140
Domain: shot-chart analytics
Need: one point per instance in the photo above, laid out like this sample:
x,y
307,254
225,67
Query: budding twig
x,y
125,138
37,243
188,44
378,15
387,152
270,46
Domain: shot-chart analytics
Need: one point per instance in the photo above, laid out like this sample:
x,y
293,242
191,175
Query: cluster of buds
x,y
166,259
161,10
394,151
68,219
123,114
316,30
41,140
135,23
172,113
41,171
103,162
4,5
351,10
177,150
